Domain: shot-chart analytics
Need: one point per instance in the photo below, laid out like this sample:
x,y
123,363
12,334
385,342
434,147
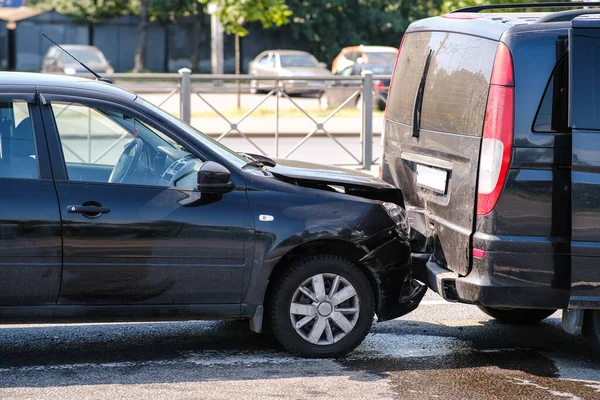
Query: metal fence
x,y
187,85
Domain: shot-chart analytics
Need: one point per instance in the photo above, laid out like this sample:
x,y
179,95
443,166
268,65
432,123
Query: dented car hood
x,y
324,176
299,170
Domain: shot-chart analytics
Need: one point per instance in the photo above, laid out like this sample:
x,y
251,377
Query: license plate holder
x,y
435,179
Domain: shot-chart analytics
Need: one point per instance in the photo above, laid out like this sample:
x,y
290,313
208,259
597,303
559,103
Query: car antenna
x,y
98,77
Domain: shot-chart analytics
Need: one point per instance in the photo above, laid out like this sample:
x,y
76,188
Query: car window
x,y
110,147
552,115
297,60
268,60
86,56
352,55
457,83
381,57
18,157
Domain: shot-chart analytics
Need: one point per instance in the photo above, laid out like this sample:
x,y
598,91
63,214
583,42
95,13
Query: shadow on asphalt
x,y
202,351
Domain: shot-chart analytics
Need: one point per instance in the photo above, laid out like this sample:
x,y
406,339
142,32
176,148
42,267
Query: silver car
x,y
291,64
57,61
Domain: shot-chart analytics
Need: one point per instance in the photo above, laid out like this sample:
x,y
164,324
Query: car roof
x,y
493,25
77,47
383,49
290,52
28,82
489,25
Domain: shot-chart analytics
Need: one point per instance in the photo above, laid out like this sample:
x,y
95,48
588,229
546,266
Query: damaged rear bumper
x,y
399,293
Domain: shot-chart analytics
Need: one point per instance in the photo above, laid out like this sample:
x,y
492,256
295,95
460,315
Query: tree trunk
x,y
237,69
196,40
140,53
166,54
90,27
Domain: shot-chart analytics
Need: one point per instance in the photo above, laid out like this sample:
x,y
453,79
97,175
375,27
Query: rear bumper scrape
x,y
399,293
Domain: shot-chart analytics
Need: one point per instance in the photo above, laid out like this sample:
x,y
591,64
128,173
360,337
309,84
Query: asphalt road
x,y
442,350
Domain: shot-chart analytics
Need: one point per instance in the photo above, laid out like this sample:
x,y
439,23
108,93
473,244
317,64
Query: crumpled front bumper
x,y
391,265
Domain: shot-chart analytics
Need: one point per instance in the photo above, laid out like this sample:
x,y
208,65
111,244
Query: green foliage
x,y
92,11
168,11
234,14
330,25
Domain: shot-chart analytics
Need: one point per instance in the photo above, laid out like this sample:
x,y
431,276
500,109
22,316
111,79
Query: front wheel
x,y
517,316
322,306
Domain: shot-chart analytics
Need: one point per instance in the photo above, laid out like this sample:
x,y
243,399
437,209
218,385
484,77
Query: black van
x,y
492,131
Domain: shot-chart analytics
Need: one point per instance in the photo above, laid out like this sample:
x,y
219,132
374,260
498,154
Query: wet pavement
x,y
440,351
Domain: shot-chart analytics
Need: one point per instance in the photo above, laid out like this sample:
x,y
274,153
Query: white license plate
x,y
432,178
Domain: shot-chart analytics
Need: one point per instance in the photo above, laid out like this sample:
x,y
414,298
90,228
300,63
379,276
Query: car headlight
x,y
70,71
398,215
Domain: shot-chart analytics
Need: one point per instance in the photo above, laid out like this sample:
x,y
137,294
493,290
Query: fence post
x,y
367,119
185,95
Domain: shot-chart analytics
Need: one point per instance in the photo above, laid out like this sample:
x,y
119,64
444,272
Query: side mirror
x,y
214,178
322,65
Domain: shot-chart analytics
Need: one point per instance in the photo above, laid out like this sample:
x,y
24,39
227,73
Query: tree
x,y
140,52
332,25
235,14
91,11
167,12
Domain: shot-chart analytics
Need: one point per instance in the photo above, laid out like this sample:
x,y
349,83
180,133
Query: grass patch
x,y
286,113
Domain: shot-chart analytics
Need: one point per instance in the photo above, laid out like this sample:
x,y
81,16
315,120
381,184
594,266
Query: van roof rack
x,y
476,9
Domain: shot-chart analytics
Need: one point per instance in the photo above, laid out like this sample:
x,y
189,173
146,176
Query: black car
x,y
492,133
113,210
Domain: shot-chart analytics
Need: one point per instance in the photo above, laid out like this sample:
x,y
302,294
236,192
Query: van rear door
x,y
584,120
433,137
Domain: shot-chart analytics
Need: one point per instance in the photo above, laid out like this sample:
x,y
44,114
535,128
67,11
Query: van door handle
x,y
88,210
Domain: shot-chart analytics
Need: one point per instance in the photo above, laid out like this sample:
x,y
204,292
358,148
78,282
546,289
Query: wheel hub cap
x,y
324,309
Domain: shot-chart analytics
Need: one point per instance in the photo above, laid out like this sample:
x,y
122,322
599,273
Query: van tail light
x,y
393,73
496,146
379,86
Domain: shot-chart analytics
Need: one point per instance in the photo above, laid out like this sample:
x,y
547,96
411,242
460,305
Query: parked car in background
x,y
118,211
57,61
376,55
338,92
289,64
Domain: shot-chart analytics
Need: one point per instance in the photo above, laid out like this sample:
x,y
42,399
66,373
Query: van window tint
x,y
552,116
457,84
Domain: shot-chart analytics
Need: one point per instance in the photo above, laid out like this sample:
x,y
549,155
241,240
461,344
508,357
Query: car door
x,y
584,120
131,235
30,233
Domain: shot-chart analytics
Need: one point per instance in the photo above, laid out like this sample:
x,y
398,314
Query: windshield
x,y
297,60
380,69
85,56
230,155
379,57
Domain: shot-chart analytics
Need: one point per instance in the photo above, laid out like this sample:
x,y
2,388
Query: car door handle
x,y
88,210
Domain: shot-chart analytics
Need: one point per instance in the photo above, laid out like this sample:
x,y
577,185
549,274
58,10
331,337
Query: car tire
x,y
591,330
517,316
380,105
304,316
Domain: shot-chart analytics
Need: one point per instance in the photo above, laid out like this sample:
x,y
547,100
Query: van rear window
x,y
457,83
